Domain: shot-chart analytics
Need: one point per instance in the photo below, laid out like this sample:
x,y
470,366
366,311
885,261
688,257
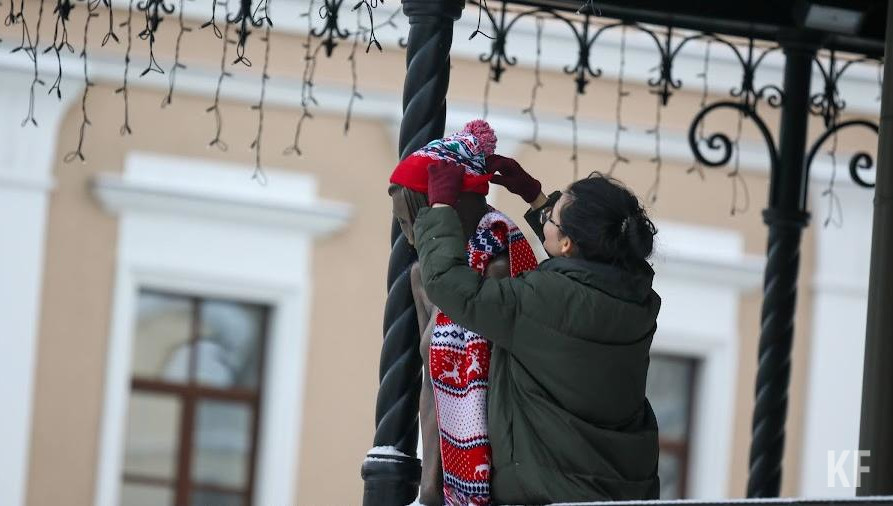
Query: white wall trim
x,y
26,179
836,345
119,195
703,267
201,248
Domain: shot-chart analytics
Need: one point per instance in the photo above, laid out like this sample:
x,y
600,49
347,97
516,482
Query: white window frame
x,y
200,228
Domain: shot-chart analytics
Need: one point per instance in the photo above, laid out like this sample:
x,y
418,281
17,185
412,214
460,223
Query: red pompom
x,y
484,133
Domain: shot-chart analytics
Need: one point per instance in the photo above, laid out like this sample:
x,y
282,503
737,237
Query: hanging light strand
x,y
530,110
60,41
482,6
739,185
657,160
217,142
618,112
486,103
213,21
85,122
32,51
110,34
259,175
703,75
125,128
177,65
153,10
352,60
370,5
361,33
574,142
15,18
307,98
835,209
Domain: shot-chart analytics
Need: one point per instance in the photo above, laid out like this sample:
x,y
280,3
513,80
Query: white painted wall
x,y
837,342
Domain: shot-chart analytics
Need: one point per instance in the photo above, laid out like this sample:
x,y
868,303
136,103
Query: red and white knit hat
x,y
467,148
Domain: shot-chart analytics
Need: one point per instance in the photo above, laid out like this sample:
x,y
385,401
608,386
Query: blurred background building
x,y
174,329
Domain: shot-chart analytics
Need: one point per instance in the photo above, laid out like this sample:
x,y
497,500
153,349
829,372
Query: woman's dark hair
x,y
606,222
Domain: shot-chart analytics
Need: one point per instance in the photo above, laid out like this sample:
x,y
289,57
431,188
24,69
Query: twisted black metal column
x,y
390,478
786,216
876,431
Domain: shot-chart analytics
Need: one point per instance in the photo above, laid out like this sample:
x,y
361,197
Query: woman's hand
x,y
444,183
509,174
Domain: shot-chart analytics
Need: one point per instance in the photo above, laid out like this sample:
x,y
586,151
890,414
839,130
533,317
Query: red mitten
x,y
444,183
508,173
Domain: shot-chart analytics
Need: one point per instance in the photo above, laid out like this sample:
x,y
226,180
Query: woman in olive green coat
x,y
567,414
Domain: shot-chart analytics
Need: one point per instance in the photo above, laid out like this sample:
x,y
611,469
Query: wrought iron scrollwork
x,y
748,97
664,83
331,33
497,59
245,18
721,142
829,105
860,161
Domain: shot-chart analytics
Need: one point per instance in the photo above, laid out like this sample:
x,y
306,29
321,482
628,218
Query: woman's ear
x,y
566,246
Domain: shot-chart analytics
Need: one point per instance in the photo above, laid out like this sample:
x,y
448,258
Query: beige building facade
x,y
161,212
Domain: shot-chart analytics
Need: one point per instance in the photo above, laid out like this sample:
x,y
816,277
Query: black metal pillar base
x,y
786,217
876,431
390,480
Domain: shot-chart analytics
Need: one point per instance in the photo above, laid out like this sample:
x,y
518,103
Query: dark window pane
x,y
161,346
153,426
229,346
222,443
669,468
137,494
669,390
207,498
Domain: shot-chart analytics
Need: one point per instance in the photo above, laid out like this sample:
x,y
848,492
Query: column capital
x,y
451,9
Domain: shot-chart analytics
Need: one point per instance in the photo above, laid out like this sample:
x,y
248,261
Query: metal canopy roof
x,y
761,19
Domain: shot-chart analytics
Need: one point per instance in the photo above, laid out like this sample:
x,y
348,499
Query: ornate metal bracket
x,y
829,105
859,161
720,141
331,33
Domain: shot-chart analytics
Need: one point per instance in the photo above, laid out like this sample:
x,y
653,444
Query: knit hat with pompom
x,y
467,148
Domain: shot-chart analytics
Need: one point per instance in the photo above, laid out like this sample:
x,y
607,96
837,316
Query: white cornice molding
x,y
744,274
119,195
709,255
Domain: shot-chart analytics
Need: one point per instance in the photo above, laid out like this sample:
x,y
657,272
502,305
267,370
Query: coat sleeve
x,y
484,305
532,217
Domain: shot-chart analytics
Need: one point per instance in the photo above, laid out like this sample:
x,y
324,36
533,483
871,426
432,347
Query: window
x,y
194,405
670,389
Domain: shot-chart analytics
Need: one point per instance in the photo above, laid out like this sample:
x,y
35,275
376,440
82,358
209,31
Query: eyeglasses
x,y
546,216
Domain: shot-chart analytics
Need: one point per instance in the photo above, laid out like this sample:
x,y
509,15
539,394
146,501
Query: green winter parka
x,y
567,415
